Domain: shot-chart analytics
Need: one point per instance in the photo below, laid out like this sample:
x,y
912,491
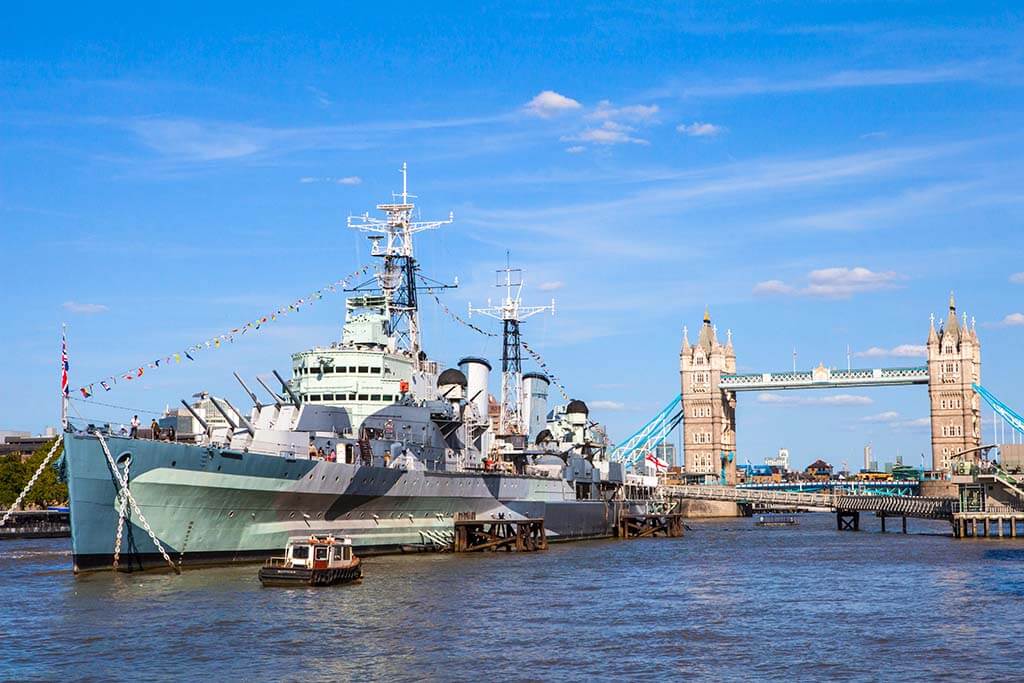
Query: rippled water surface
x,y
728,601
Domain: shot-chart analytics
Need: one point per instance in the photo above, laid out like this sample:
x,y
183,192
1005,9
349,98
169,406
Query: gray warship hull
x,y
212,505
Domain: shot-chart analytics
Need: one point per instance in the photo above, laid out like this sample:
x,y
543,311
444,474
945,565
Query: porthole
x,y
291,515
231,514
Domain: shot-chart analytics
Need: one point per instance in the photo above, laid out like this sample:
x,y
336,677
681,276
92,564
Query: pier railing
x,y
895,506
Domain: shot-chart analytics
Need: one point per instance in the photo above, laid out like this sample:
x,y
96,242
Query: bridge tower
x,y
709,413
954,362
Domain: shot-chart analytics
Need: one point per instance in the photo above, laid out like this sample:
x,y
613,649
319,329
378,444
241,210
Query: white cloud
x,y
1017,278
550,286
576,149
548,103
320,96
773,287
609,133
607,405
1013,320
637,112
834,283
347,180
834,400
84,309
895,420
901,351
700,129
887,416
866,78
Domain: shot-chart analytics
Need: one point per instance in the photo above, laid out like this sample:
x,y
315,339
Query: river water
x,y
727,601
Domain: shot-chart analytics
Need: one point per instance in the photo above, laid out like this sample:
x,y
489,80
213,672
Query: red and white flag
x,y
659,464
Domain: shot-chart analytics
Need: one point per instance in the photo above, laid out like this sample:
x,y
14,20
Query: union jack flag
x,y
64,390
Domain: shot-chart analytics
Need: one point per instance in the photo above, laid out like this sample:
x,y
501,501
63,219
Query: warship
x,y
369,439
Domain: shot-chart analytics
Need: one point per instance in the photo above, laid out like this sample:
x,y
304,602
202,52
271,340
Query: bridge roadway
x,y
892,506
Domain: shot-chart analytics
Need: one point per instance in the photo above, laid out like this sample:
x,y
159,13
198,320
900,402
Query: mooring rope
x,y
135,506
122,509
32,481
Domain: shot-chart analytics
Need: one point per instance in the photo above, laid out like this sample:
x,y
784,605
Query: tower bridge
x,y
706,404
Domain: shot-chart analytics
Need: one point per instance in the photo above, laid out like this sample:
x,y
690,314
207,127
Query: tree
x,y
14,476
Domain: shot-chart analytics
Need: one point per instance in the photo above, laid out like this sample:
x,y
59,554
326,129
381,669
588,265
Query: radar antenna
x,y
391,238
511,313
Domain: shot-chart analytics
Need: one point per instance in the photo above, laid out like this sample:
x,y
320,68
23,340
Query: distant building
x,y
666,452
867,457
819,469
781,460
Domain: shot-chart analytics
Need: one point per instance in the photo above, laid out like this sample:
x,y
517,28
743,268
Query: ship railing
x,y
277,562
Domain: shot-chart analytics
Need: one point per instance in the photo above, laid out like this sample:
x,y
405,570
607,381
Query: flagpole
x,y
64,379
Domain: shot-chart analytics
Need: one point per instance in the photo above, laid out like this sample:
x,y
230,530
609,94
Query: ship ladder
x,y
32,481
123,485
442,540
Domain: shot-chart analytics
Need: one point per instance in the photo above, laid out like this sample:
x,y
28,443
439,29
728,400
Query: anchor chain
x,y
135,506
32,481
121,514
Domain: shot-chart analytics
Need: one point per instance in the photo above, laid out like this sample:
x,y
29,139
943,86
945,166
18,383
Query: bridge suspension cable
x,y
1010,417
648,437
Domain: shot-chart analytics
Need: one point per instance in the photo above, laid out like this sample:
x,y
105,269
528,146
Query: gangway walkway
x,y
893,506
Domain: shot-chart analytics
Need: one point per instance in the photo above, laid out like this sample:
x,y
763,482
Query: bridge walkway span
x,y
895,506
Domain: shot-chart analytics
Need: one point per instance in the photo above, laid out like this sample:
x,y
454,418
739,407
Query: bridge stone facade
x,y
709,382
954,363
709,417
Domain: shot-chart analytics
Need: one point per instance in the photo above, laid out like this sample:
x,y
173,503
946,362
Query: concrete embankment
x,y
698,509
37,524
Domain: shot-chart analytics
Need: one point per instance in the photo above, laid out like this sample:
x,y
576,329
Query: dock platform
x,y
521,535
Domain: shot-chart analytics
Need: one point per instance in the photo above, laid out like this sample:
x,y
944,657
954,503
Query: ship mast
x,y
396,279
511,313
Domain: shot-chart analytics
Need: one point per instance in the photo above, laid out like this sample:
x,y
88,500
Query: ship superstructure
x,y
368,439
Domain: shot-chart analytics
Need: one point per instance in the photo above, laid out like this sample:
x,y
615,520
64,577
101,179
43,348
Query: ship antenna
x,y
392,239
511,313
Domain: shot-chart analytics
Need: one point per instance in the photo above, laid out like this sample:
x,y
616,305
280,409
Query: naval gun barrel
x,y
284,385
195,415
252,396
273,394
227,416
241,418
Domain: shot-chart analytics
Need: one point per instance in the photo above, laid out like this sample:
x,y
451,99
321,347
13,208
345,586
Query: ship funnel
x,y
535,403
477,372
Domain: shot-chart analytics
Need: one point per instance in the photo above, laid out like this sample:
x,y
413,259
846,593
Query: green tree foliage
x,y
14,475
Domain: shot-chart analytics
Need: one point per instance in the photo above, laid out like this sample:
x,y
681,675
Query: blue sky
x,y
819,174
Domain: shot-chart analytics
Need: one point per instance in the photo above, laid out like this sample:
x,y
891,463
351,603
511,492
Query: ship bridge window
x,y
300,552
374,397
328,397
364,397
351,368
351,397
341,368
321,552
329,370
387,397
314,397
364,369
374,371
